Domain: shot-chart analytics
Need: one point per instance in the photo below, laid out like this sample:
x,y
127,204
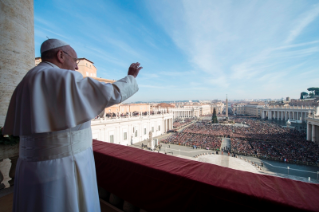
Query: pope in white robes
x,y
50,110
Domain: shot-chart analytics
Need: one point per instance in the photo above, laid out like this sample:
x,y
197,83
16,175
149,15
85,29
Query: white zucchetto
x,y
52,44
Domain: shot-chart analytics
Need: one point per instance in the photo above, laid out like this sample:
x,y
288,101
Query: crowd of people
x,y
195,140
254,137
181,123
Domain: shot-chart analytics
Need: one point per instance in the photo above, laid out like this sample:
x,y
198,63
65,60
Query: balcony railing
x,y
156,182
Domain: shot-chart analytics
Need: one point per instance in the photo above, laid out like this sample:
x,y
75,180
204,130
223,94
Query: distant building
x,y
86,68
304,102
250,109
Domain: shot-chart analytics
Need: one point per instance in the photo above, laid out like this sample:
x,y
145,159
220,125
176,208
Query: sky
x,y
192,50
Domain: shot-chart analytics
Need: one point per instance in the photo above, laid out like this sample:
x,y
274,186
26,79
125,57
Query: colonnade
x,y
185,113
313,129
285,113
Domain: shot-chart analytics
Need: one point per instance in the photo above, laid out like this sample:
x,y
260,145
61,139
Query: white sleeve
x,y
127,87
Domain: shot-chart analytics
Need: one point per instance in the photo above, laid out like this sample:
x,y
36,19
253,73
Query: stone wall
x,y
16,47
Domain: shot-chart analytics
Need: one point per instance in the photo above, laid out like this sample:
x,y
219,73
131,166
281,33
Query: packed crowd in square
x,y
180,123
260,138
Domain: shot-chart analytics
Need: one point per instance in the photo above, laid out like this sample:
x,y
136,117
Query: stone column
x,y
308,132
16,47
171,123
313,137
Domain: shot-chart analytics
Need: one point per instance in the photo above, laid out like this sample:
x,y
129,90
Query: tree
x,y
314,90
214,117
303,94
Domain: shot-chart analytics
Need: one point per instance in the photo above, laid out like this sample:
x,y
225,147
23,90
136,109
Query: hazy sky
x,y
193,49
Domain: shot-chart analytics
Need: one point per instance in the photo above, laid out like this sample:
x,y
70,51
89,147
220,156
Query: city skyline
x,y
192,50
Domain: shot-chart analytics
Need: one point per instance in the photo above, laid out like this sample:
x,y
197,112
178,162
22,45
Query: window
x,y
159,127
144,131
125,135
87,74
111,138
152,129
136,133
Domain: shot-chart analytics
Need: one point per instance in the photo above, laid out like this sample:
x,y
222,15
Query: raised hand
x,y
134,69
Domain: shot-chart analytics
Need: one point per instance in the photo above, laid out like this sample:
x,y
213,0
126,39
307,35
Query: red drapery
x,y
158,182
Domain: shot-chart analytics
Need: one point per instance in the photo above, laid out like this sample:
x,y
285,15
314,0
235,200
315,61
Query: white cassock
x,y
51,110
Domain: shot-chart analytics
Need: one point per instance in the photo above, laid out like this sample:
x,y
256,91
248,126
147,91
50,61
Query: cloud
x,y
302,23
208,46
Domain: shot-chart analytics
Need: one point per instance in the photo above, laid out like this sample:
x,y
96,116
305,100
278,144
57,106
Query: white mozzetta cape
x,y
51,99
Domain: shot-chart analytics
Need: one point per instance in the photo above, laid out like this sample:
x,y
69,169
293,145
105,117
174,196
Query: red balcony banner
x,y
159,182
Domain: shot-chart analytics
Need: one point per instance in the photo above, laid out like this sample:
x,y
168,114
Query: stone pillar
x,y
16,47
313,137
171,123
308,132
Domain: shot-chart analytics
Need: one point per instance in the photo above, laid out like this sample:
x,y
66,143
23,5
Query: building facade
x,y
185,112
249,110
87,68
127,131
313,129
128,108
